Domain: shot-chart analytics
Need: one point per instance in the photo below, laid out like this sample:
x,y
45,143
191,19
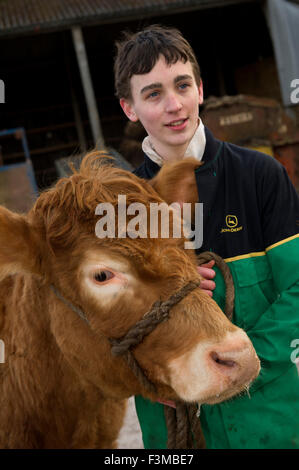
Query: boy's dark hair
x,y
137,53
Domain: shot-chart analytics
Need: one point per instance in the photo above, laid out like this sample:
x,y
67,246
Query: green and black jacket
x,y
251,219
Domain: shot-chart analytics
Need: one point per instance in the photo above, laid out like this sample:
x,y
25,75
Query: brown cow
x,y
60,386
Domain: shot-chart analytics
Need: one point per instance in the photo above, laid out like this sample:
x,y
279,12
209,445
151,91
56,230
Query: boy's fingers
x,y
207,285
209,264
205,272
209,292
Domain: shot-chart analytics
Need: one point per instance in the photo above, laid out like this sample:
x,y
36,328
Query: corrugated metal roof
x,y
29,16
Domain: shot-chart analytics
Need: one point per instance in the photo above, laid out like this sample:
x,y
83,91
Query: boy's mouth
x,y
178,124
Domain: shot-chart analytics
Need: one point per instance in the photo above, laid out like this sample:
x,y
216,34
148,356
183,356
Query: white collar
x,y
195,148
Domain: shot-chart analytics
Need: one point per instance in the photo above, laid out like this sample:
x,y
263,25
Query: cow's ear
x,y
20,249
176,181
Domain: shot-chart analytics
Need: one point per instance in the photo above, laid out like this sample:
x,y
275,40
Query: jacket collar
x,y
211,149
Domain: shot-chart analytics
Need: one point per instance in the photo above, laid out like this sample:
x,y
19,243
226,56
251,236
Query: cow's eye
x,y
103,276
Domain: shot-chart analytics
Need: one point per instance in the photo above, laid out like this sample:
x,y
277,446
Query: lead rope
x,y
183,423
207,256
158,313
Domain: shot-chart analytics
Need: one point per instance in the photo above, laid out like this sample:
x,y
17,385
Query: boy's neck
x,y
171,154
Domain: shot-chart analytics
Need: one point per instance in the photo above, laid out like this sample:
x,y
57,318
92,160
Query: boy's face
x,y
166,101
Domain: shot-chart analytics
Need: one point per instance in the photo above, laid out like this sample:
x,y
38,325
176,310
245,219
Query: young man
x,y
251,219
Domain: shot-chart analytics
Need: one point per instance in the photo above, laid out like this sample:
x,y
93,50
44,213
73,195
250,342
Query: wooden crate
x,y
288,155
239,119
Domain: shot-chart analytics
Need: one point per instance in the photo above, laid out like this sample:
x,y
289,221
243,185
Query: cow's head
x,y
197,355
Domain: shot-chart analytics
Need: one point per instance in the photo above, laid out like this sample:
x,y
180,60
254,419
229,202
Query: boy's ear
x,y
128,109
200,92
20,249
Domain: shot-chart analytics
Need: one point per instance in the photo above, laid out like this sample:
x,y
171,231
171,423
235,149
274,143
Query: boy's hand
x,y
208,273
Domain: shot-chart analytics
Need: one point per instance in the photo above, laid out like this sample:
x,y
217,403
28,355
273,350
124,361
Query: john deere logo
x,y
232,223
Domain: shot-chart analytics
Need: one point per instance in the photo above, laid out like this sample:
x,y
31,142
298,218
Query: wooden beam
x,y
75,104
88,87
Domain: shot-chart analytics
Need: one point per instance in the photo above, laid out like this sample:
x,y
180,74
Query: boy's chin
x,y
179,141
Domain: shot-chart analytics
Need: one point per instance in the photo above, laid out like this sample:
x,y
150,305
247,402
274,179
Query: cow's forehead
x,y
126,255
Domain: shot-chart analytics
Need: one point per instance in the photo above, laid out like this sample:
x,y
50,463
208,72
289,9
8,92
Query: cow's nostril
x,y
223,362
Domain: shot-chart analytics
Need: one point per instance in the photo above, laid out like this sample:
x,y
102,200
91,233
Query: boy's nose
x,y
173,104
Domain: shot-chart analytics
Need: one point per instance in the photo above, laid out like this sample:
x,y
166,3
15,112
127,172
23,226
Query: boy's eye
x,y
153,94
182,86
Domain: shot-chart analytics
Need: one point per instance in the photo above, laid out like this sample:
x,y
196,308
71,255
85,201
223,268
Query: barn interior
x,y
44,92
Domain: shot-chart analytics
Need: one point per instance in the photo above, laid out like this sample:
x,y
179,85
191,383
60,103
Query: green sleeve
x,y
278,326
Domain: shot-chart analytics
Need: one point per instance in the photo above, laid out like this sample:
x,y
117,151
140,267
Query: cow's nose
x,y
234,357
221,361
